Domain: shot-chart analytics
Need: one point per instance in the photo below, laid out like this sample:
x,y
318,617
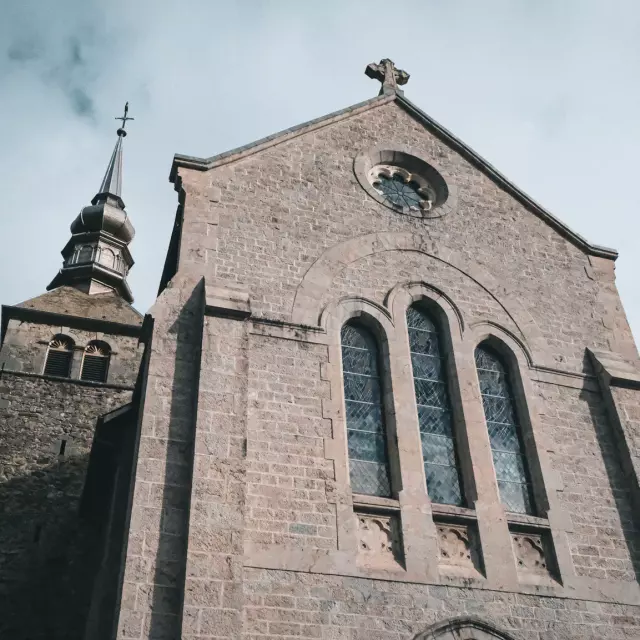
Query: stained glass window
x,y
366,435
505,433
399,191
434,410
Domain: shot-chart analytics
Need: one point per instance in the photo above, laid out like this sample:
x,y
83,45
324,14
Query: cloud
x,y
546,91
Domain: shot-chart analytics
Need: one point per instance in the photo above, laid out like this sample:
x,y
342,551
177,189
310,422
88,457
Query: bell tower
x,y
97,259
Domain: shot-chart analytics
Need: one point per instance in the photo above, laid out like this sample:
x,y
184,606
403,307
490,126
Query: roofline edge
x,y
204,164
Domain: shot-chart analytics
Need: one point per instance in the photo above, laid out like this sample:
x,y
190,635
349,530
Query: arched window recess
x,y
435,412
59,357
365,412
95,362
504,423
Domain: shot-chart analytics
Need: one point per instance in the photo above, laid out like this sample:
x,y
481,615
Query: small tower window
x,y
107,258
95,363
85,254
505,432
366,432
59,356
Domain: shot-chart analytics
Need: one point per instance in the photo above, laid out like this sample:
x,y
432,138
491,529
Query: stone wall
x,y
282,604
262,221
265,538
48,555
25,349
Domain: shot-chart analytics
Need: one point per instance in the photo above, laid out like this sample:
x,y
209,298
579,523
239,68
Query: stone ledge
x,y
221,301
339,563
82,383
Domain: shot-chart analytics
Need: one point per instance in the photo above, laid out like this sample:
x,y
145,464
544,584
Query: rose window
x,y
402,189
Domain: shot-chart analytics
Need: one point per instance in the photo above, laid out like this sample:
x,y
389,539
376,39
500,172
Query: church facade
x,y
381,394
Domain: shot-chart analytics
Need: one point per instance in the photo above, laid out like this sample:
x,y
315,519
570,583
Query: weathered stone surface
x,y
48,555
70,301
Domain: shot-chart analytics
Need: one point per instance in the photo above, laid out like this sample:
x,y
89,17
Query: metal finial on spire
x,y
124,118
387,73
112,181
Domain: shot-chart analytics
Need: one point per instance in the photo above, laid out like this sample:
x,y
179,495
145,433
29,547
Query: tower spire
x,y
112,181
97,258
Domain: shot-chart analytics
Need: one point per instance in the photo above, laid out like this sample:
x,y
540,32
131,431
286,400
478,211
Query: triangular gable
x,y
204,164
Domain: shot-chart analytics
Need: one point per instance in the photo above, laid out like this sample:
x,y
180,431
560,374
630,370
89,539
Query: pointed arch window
x,y
95,362
505,432
59,357
435,416
366,433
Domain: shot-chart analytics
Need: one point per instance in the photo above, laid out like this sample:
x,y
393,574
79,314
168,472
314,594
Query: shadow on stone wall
x,y
620,488
171,558
48,554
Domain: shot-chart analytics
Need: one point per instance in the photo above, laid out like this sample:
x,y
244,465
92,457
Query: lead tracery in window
x,y
366,433
505,432
435,417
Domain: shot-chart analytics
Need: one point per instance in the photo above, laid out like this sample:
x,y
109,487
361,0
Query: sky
x,y
547,91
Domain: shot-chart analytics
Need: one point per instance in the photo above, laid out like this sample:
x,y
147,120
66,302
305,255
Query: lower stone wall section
x,y
287,604
48,554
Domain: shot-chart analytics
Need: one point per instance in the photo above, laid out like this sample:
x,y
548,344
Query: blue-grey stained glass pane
x,y
418,320
486,360
493,383
516,497
438,450
364,416
366,436
443,484
430,393
369,478
397,191
367,446
361,387
358,337
426,366
434,409
498,409
509,466
504,432
504,437
358,360
423,342
434,420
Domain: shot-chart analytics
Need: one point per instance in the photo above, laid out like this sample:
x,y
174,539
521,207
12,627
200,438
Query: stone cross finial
x,y
387,73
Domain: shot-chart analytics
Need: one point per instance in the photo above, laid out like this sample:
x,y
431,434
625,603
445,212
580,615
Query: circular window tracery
x,y
401,188
404,182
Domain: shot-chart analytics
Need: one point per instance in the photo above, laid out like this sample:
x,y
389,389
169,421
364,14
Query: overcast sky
x,y
548,91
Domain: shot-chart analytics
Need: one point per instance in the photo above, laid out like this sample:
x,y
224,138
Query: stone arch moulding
x,y
467,628
318,278
335,314
410,292
487,330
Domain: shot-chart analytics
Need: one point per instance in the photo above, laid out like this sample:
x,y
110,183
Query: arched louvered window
x,y
59,357
435,416
505,432
95,363
366,433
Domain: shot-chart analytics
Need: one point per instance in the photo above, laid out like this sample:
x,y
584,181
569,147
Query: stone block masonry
x,y
244,523
47,554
